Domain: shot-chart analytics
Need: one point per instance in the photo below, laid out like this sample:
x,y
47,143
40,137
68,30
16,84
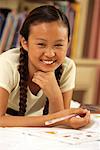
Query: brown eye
x,y
58,45
41,45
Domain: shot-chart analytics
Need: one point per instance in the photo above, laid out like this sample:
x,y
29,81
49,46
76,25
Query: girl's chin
x,y
45,70
48,69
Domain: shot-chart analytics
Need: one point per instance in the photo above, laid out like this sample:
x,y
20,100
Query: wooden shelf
x,y
87,62
86,80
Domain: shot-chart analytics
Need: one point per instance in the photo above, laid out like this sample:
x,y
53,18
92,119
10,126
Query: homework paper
x,y
95,123
52,138
67,136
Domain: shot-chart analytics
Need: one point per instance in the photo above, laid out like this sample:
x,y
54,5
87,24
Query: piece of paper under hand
x,y
41,138
67,136
94,124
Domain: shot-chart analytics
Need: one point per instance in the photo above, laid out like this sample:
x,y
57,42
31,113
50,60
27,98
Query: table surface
x,y
56,138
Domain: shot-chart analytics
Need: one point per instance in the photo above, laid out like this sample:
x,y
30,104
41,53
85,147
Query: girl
x,y
38,78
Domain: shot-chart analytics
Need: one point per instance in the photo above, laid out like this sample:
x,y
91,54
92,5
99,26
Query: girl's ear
x,y
24,43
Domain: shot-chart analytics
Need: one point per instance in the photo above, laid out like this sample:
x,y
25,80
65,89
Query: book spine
x,y
94,30
76,8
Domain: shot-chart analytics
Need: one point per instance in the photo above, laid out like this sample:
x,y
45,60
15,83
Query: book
x,y
94,30
98,42
88,28
82,27
76,8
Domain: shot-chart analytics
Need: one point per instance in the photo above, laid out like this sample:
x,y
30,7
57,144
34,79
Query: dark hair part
x,y
45,13
23,70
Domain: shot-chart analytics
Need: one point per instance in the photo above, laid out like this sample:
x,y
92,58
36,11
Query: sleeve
x,y
6,75
67,81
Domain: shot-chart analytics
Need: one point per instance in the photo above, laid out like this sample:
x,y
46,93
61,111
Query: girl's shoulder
x,y
68,62
9,75
10,53
10,56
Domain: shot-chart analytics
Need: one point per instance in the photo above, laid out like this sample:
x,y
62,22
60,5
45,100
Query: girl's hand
x,y
47,81
82,119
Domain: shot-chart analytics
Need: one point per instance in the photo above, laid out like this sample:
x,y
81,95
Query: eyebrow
x,y
59,40
41,39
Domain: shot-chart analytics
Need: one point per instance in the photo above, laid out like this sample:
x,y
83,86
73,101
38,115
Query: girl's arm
x,y
48,83
67,97
4,95
19,120
39,121
62,101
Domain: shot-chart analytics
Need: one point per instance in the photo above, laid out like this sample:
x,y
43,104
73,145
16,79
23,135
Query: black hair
x,y
45,13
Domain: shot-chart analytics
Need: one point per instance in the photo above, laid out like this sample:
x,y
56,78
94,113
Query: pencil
x,y
52,121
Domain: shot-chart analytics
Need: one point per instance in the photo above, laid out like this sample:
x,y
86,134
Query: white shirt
x,y
9,80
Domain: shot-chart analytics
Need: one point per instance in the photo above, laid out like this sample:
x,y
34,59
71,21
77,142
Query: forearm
x,y
21,121
56,103
26,121
39,121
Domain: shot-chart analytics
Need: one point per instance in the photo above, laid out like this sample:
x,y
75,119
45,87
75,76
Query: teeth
x,y
47,62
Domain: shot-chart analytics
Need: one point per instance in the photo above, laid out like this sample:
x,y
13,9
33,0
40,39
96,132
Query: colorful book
x,y
94,30
76,8
82,27
88,28
98,43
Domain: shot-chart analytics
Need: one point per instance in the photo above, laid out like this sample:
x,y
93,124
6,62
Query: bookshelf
x,y
81,14
11,4
86,90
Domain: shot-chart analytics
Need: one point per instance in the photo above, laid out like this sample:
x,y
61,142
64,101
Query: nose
x,y
49,52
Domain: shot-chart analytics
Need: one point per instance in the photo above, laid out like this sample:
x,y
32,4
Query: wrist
x,y
55,119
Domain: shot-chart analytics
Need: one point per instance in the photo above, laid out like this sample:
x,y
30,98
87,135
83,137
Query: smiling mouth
x,y
48,62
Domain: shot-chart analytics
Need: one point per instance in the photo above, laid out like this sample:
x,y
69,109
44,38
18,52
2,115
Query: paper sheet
x,y
52,138
95,123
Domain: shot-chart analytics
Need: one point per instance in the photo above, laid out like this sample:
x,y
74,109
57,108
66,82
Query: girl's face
x,y
47,44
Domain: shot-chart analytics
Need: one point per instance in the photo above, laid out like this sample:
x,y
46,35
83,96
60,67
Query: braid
x,y
58,73
46,107
23,70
